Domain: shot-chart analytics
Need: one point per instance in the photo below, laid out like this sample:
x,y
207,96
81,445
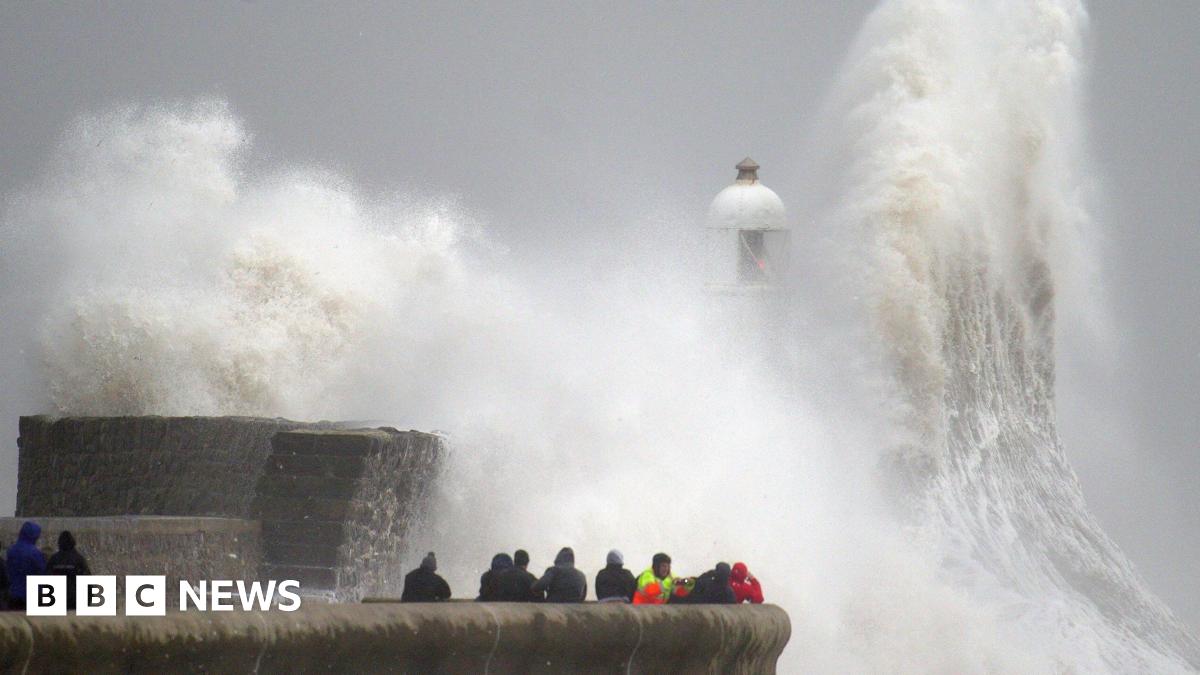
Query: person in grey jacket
x,y
562,583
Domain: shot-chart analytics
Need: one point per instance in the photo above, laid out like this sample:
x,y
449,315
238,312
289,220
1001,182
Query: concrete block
x,y
315,465
314,532
317,486
181,548
343,443
295,553
139,465
274,507
286,442
310,578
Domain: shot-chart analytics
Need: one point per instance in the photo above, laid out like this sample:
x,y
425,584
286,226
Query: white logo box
x,y
146,595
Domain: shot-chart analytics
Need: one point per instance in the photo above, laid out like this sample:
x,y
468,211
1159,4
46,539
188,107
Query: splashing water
x,y
160,275
965,124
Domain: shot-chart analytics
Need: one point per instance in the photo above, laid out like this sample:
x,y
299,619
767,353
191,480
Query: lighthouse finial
x,y
747,170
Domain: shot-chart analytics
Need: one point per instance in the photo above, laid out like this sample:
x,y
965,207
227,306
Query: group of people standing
x,y
509,580
25,558
722,585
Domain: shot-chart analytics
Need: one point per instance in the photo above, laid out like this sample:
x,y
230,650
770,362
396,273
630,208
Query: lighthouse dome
x,y
747,204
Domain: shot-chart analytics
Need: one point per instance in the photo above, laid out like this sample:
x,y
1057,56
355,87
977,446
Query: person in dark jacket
x,y
516,583
614,583
423,585
489,581
3,584
712,587
69,563
562,583
23,559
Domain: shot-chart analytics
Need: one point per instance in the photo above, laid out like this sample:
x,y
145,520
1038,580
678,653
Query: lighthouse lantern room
x,y
747,242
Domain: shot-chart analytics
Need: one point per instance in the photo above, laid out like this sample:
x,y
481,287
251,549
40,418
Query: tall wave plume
x,y
965,124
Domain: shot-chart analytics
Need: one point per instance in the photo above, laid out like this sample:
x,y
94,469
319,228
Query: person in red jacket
x,y
745,587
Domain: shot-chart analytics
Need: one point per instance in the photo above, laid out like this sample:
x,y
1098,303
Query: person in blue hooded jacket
x,y
3,584
23,559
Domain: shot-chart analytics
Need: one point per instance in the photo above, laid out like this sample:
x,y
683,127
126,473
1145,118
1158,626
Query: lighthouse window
x,y
753,266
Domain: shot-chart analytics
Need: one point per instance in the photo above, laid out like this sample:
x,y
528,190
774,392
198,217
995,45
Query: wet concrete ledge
x,y
189,548
394,638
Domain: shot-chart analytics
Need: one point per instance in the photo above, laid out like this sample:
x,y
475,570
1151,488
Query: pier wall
x,y
393,638
125,466
337,505
177,547
230,497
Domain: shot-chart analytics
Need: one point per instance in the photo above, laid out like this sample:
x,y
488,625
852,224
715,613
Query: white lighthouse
x,y
747,237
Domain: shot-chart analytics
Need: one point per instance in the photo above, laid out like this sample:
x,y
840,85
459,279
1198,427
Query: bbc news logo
x,y
146,595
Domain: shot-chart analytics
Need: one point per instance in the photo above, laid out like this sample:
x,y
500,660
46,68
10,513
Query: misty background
x,y
549,122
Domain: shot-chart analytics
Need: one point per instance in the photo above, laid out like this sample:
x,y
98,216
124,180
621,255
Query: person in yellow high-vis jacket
x,y
658,575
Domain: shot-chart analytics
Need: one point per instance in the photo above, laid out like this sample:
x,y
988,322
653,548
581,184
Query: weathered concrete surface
x,y
392,638
180,548
336,506
391,500
165,466
335,503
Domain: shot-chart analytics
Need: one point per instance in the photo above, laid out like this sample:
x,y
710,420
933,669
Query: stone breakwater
x,y
180,548
229,497
161,466
336,506
393,638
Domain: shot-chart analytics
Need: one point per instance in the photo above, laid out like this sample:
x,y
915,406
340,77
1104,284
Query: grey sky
x,y
544,117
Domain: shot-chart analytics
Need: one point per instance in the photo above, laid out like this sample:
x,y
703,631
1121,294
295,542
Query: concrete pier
x,y
466,637
229,497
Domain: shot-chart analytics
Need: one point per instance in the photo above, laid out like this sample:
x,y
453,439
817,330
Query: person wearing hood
x,y
658,574
562,583
745,585
489,582
68,562
516,583
423,584
3,584
23,559
614,583
712,587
